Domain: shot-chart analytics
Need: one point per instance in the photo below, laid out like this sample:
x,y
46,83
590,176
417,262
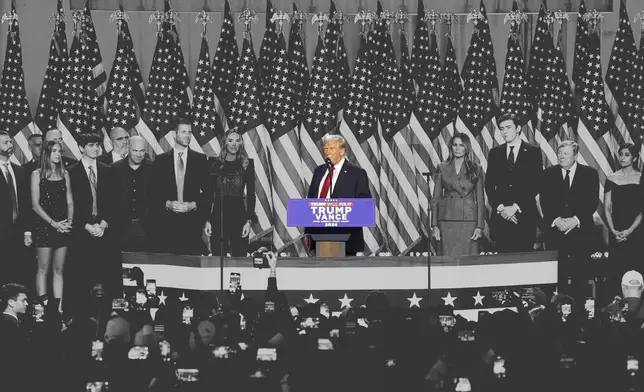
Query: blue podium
x,y
332,214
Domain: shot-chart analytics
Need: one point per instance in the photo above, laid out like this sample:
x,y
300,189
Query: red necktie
x,y
327,184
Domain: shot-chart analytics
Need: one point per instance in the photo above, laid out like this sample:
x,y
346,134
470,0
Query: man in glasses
x,y
121,145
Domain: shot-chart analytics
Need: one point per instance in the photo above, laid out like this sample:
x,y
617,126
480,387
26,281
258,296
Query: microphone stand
x,y
428,175
220,189
329,165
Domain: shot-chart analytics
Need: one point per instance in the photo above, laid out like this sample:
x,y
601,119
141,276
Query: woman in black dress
x,y
51,199
623,214
233,174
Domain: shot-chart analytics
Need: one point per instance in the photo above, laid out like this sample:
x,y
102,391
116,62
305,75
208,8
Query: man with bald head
x,y
120,146
57,136
131,196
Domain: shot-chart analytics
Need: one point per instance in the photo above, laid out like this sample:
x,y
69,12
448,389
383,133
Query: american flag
x,y
15,115
426,119
319,116
225,66
245,114
287,86
121,101
206,125
621,67
580,58
267,57
360,129
537,55
136,79
49,103
513,97
398,190
125,96
554,101
339,62
596,119
81,106
478,109
99,76
632,105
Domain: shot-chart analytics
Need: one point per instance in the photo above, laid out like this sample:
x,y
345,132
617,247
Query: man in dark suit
x,y
511,183
35,147
181,195
13,340
131,196
341,180
569,198
14,210
94,252
120,146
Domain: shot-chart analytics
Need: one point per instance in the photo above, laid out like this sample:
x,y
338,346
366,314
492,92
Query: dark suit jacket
x,y
82,194
7,227
352,182
518,186
121,190
457,197
581,201
196,186
106,158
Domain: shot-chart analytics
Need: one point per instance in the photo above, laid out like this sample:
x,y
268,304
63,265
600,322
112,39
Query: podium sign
x,y
331,213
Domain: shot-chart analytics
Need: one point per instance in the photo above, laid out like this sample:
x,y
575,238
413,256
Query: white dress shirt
x,y
517,146
6,177
336,172
573,170
117,157
86,164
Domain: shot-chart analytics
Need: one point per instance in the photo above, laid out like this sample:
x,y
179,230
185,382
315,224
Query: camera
x,y
187,375
590,308
96,386
447,322
499,367
165,350
39,312
119,304
260,258
325,344
188,314
151,288
138,353
97,350
267,354
235,282
222,352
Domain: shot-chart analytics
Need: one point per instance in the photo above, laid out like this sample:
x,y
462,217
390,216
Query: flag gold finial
x,y
593,18
248,17
320,18
299,17
78,18
118,17
559,17
365,18
157,17
401,17
56,17
515,18
280,17
432,17
639,17
205,18
386,16
450,20
340,18
10,16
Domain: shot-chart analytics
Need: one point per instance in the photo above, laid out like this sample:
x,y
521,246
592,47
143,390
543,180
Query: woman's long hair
x,y
47,168
241,154
471,168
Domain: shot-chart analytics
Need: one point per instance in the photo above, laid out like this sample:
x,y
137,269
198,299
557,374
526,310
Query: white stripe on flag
x,y
68,140
462,128
145,132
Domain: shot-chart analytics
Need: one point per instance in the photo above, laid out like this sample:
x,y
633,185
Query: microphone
x,y
328,163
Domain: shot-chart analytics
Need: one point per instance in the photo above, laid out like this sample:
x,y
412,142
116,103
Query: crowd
x,y
226,343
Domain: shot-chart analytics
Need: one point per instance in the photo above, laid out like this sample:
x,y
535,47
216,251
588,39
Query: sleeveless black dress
x,y
53,199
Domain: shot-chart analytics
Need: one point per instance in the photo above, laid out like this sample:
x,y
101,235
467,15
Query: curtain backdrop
x,y
36,31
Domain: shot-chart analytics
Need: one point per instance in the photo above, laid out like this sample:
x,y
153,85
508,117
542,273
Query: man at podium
x,y
338,179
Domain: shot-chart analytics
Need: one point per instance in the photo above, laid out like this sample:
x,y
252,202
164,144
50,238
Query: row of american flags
x,y
396,115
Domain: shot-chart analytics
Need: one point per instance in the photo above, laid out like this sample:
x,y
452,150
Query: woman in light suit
x,y
458,205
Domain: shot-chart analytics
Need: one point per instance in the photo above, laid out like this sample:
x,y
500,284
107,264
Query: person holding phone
x,y
52,201
458,205
234,175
